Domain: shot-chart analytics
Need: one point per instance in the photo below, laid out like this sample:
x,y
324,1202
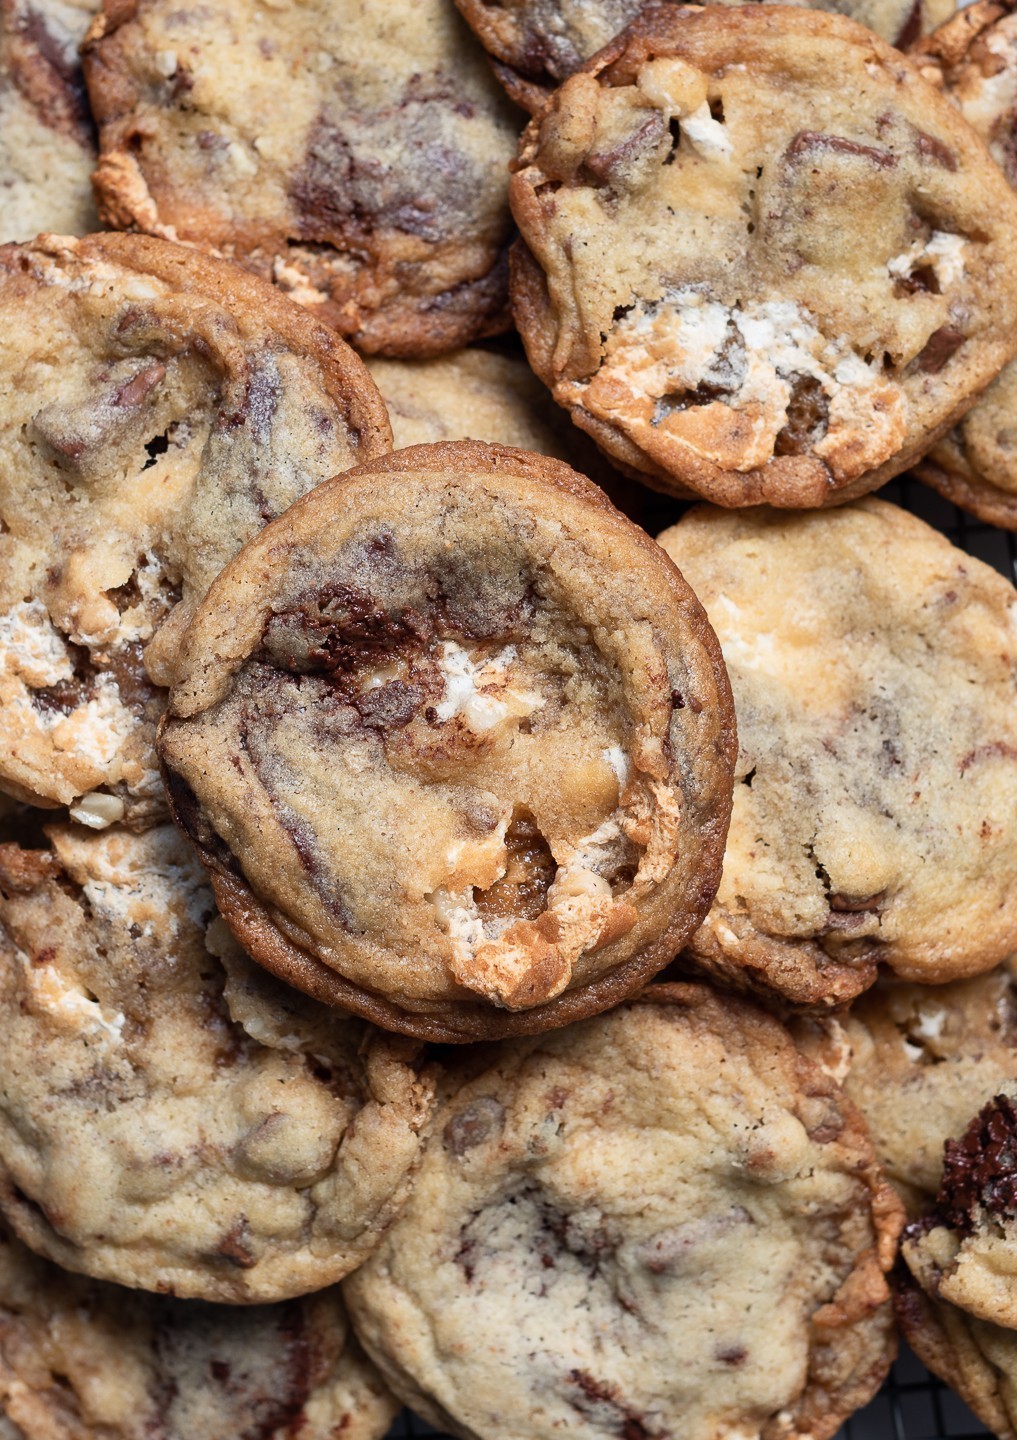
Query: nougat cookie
x,y
79,1359
974,58
873,666
158,408
171,1117
470,395
536,44
355,154
455,741
672,1178
762,259
47,137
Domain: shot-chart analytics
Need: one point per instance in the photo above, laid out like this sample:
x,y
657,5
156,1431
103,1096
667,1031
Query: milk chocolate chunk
x,y
429,736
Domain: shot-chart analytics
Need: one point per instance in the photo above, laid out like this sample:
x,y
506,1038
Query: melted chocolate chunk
x,y
929,148
338,630
980,1170
940,346
807,142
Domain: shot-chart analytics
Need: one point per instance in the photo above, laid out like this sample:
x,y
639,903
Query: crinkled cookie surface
x,y
874,668
157,408
374,192
536,44
455,741
170,1117
746,283
47,139
81,1360
670,1179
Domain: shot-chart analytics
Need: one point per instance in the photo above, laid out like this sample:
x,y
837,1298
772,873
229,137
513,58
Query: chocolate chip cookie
x,y
974,58
670,1179
79,1360
355,154
536,44
171,1117
158,407
763,259
47,137
873,666
455,741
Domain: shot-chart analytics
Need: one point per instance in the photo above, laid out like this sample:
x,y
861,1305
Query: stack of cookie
x,y
592,951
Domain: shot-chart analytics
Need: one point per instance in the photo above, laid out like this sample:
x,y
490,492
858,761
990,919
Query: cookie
x,y
974,58
873,666
471,395
47,138
963,1249
977,1360
79,1360
374,192
536,44
455,741
746,280
172,1118
159,407
916,1060
671,1178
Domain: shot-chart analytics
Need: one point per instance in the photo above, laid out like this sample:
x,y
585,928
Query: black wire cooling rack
x,y
912,1405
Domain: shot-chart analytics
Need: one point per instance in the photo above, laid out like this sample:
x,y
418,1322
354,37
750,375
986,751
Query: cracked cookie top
x,y
80,1359
158,408
671,1178
373,192
171,1117
536,44
974,59
752,282
47,137
455,738
874,668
